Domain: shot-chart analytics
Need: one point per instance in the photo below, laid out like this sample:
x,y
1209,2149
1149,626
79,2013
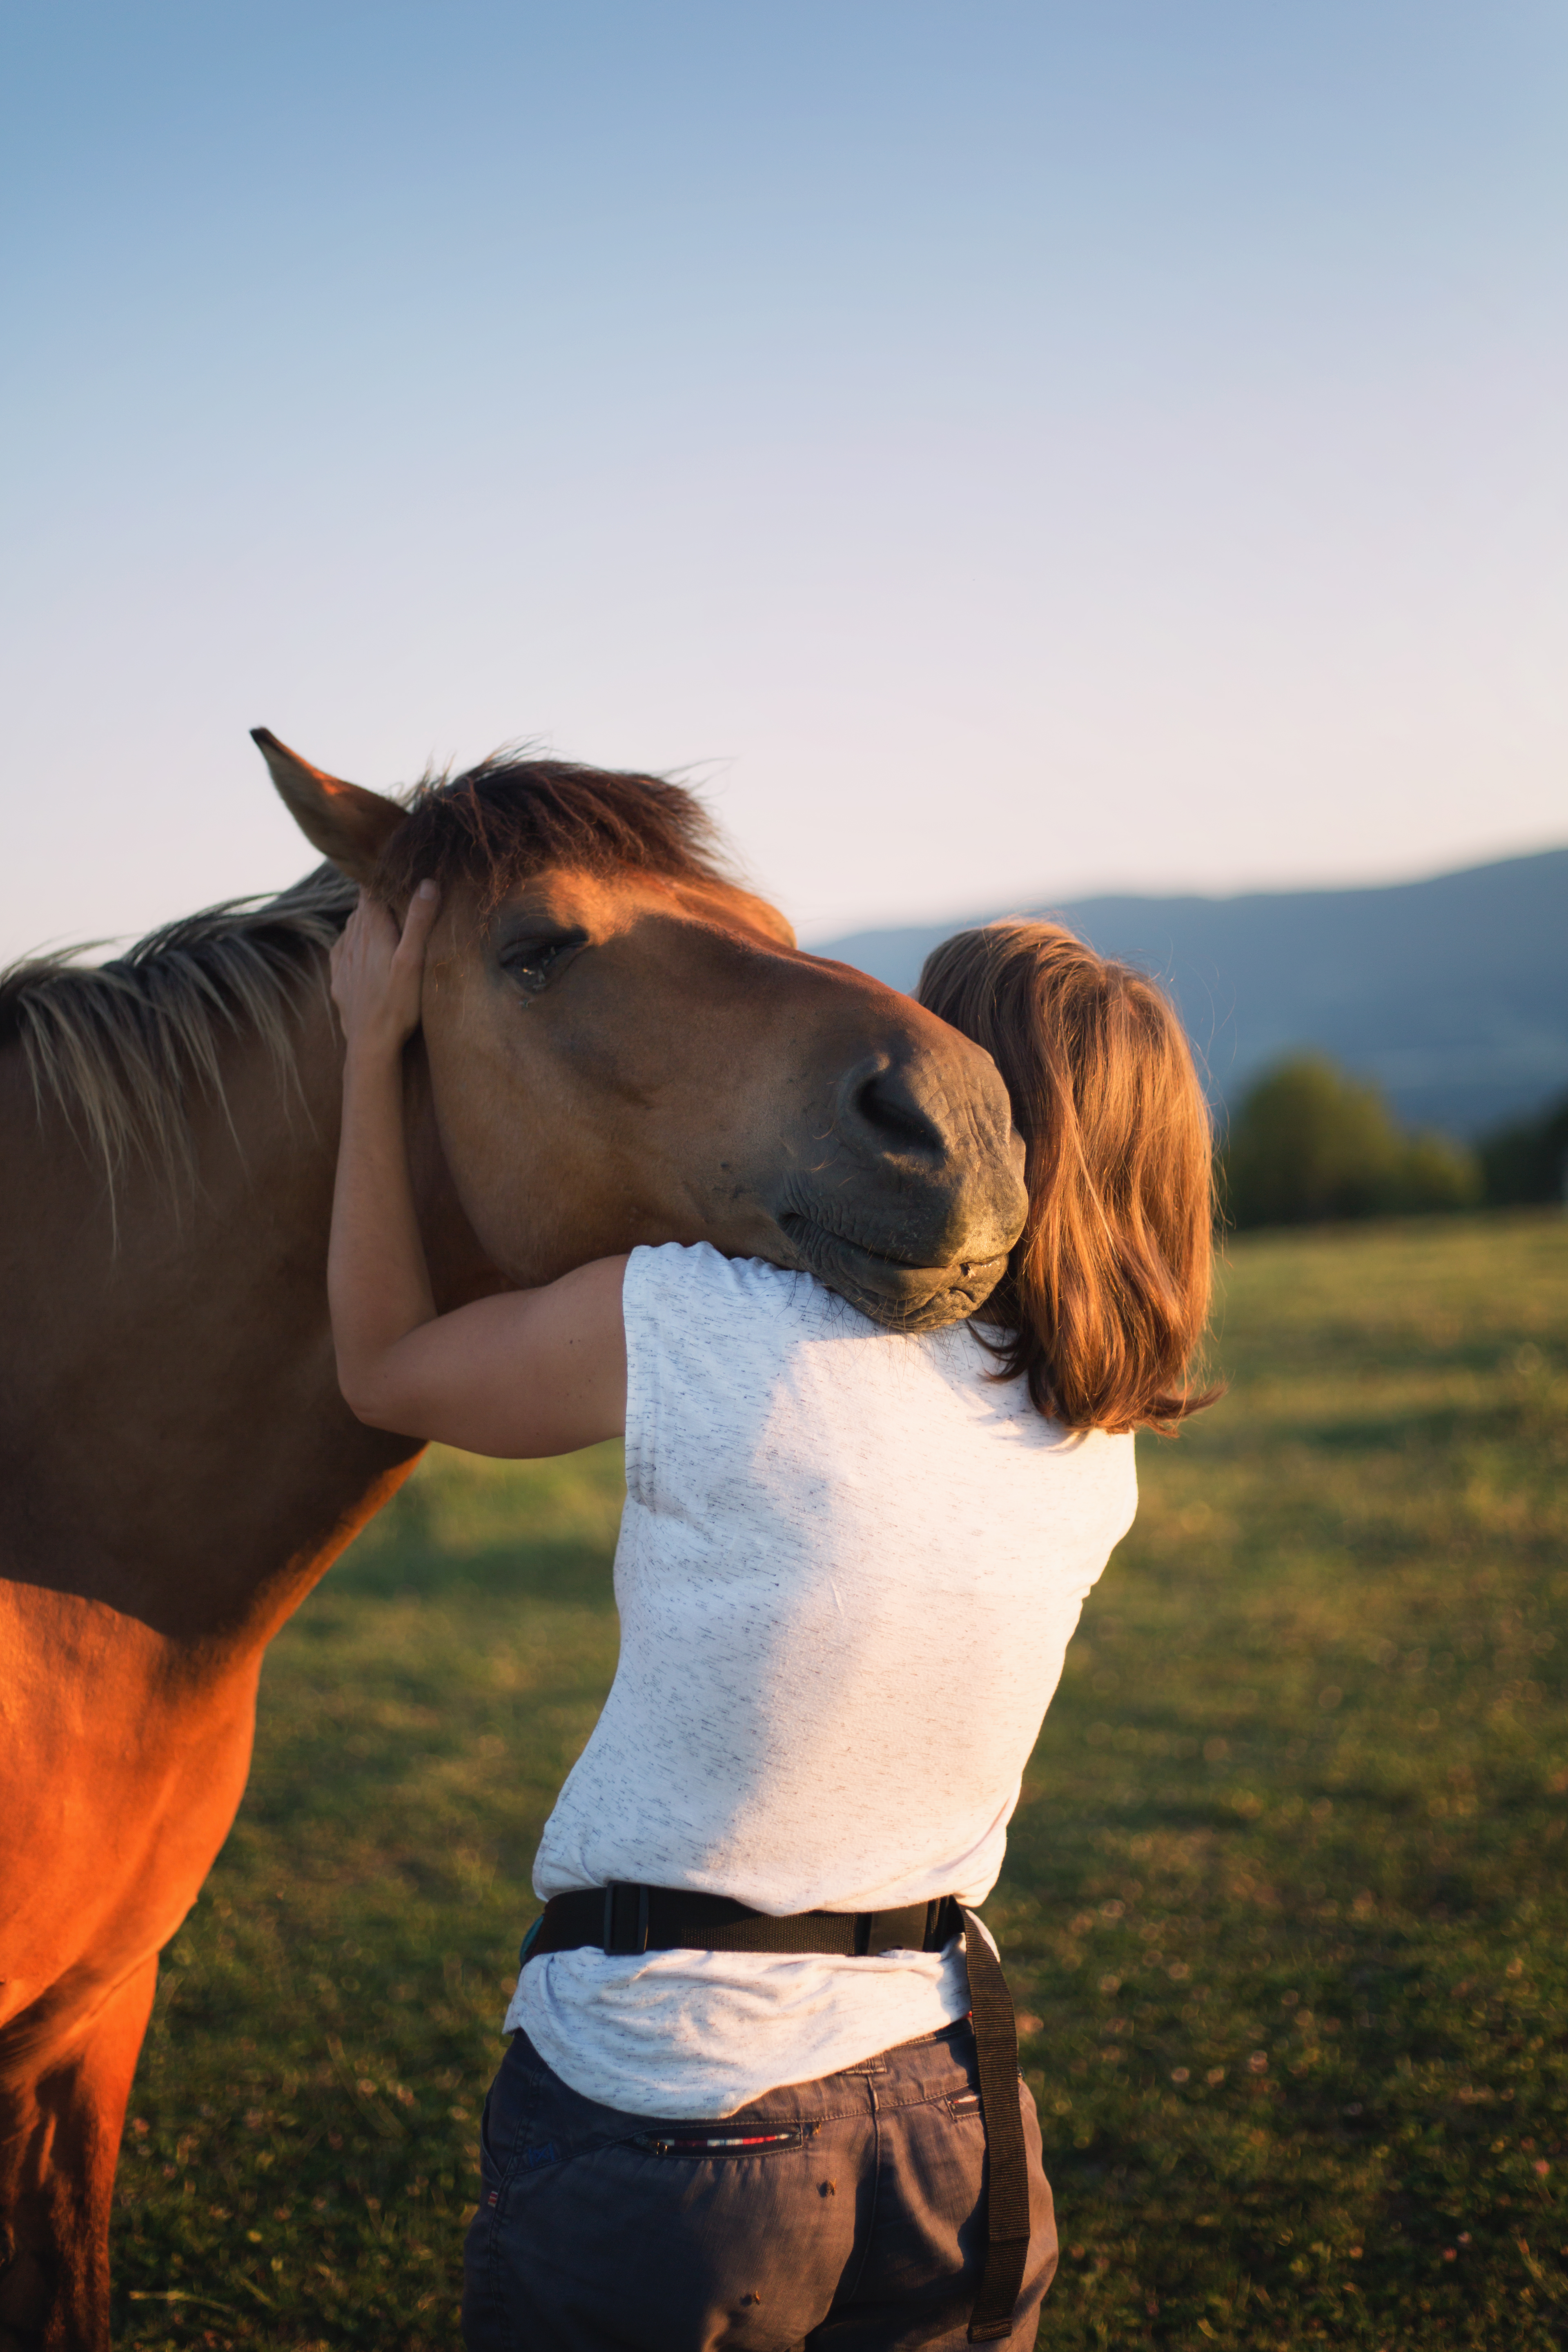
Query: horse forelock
x,y
496,826
125,1048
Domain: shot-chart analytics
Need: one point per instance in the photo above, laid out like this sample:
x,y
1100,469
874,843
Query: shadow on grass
x,y
512,1531
566,1573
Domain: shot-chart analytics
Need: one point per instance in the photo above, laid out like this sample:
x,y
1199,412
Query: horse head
x,y
623,1045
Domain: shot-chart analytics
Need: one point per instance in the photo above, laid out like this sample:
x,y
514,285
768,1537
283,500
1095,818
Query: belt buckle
x,y
626,1921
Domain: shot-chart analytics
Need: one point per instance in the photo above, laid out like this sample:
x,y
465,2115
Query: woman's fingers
x,y
376,970
369,929
423,908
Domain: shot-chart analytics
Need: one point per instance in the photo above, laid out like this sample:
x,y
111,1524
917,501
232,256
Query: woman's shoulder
x,y
970,1352
697,1269
695,1285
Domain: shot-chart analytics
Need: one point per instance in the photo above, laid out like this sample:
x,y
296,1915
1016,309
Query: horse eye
x,y
532,966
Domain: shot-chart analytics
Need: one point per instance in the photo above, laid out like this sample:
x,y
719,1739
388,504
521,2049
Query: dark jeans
x,y
845,2215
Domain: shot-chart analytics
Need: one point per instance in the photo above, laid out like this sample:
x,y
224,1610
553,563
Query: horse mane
x,y
121,1047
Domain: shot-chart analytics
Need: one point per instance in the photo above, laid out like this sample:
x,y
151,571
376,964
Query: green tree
x,y
1309,1144
1528,1161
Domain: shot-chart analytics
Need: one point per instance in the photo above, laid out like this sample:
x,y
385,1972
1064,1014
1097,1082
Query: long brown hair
x,y
1106,1289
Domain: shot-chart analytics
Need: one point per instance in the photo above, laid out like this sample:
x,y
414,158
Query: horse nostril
x,y
881,1101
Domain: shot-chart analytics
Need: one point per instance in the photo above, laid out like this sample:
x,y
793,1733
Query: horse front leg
x,y
60,2148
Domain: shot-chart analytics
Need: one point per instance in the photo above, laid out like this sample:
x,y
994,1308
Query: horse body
x,y
178,1469
178,1465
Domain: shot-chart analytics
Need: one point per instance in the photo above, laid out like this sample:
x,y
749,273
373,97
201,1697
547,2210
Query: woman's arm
x,y
528,1373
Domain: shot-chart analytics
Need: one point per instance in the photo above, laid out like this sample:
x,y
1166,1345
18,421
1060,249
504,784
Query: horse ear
x,y
344,821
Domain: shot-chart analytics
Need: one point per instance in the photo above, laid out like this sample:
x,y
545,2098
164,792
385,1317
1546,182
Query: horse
x,y
619,1044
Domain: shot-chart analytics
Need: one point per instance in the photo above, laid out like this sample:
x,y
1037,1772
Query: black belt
x,y
627,1919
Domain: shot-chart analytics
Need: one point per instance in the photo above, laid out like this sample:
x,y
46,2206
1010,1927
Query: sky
x,y
995,452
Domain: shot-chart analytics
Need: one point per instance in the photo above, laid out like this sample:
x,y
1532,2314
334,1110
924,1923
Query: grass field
x,y
1285,1904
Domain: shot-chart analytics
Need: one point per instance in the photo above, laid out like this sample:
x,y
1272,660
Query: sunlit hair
x,y
1107,1290
509,818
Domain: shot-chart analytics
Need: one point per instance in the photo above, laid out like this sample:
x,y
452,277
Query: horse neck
x,y
170,1429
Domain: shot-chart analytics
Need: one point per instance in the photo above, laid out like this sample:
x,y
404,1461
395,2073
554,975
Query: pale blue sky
x,y
1004,450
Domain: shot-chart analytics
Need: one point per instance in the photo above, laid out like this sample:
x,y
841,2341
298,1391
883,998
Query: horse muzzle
x,y
902,1293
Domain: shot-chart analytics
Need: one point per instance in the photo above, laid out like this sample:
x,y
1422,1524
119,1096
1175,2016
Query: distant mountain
x,y
1453,994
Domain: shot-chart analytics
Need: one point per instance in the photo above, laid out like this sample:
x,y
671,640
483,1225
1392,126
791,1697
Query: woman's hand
x,y
377,975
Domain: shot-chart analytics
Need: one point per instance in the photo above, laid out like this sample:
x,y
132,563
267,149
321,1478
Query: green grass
x,y
1284,1908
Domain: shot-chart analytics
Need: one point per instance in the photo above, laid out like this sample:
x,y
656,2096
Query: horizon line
x,y
821,935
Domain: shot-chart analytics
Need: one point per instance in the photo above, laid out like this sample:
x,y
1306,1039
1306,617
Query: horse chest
x,y
122,1763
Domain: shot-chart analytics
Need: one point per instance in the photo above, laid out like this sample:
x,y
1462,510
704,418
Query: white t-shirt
x,y
849,1566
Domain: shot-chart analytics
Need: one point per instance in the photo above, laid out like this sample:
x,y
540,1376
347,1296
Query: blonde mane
x,y
123,1048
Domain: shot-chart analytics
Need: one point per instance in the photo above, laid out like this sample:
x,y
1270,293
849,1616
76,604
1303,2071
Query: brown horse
x,y
619,1044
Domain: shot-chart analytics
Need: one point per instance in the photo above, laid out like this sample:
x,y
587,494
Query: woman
x,y
745,2105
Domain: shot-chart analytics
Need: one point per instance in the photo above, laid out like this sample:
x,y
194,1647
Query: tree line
x,y
1308,1144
